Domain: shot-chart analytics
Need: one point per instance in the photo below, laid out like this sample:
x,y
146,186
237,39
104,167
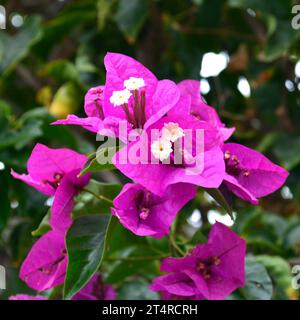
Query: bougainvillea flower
x,y
144,99
95,289
45,265
55,172
26,297
203,166
201,110
249,174
131,94
63,203
168,296
147,214
211,270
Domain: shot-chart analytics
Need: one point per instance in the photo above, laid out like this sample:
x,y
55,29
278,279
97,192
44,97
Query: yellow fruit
x,y
66,100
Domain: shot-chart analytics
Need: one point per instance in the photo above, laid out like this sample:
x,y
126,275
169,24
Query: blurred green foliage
x,y
48,63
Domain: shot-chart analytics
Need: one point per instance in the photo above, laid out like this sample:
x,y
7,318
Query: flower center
x,y
52,266
233,166
172,132
57,177
168,146
97,96
134,83
204,267
135,111
161,149
120,98
143,204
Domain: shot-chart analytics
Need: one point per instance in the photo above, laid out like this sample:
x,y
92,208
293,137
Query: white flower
x,y
161,149
134,83
118,98
171,131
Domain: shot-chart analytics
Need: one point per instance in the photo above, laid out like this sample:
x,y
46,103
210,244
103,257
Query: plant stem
x,y
99,196
92,155
137,258
175,246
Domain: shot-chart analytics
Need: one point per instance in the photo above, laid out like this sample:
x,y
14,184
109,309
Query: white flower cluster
x,y
162,148
121,97
171,131
134,83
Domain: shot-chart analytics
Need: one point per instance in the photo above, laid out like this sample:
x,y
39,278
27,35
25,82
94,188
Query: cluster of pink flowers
x,y
149,205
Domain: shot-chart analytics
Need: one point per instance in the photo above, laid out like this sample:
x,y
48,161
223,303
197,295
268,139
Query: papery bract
x,y
211,270
95,289
249,174
63,202
201,110
207,171
146,103
26,297
45,265
55,172
147,214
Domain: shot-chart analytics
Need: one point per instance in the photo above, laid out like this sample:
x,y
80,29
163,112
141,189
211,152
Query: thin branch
x,y
141,258
99,196
175,246
214,32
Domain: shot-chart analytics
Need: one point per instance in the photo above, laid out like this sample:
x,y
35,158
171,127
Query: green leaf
x,y
288,151
278,8
44,226
292,238
198,237
22,136
86,242
137,290
280,41
219,198
161,245
15,48
280,272
5,109
103,155
55,133
258,283
131,16
61,70
132,260
123,238
103,11
4,198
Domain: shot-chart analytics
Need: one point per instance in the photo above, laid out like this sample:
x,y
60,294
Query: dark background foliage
x,y
52,52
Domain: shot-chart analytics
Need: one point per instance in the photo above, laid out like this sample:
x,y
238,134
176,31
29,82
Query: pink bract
x,y
55,172
147,214
249,174
45,265
155,99
156,177
211,270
